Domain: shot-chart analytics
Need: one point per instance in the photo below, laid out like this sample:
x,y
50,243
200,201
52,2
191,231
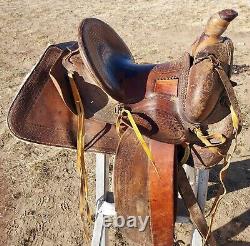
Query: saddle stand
x,y
105,206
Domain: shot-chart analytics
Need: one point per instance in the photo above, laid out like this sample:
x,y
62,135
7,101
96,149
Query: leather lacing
x,y
84,207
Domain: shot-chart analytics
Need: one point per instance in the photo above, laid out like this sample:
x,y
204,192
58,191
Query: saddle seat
x,y
111,63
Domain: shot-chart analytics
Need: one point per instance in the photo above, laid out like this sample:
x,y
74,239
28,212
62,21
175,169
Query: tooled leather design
x,y
169,70
161,107
169,126
20,109
157,117
204,88
95,41
223,51
131,181
38,114
219,120
172,125
171,122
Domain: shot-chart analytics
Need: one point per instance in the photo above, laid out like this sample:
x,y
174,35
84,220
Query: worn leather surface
x,y
158,113
130,180
162,192
202,98
146,191
110,61
176,97
38,113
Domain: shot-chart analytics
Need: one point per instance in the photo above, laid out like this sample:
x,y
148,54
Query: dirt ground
x,y
38,184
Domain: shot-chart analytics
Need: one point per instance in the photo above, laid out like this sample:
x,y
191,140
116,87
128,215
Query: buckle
x,y
216,62
119,109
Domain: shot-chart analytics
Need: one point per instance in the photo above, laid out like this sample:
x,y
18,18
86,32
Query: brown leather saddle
x,y
185,109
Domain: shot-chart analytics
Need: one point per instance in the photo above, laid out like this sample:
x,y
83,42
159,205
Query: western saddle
x,y
92,96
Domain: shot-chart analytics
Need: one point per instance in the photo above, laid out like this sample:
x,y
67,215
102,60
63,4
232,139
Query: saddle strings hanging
x,y
236,121
222,190
125,112
81,168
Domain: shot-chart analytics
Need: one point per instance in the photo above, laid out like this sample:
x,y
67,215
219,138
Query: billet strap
x,y
84,204
138,135
196,215
186,155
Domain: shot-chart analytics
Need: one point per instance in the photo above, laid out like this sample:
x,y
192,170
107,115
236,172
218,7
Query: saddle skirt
x,y
38,113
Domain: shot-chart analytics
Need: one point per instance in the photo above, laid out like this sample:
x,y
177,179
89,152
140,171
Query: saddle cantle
x,y
111,63
186,102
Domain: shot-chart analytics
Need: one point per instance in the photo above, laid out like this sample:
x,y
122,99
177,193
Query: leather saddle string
x,y
234,107
222,190
205,140
80,155
235,114
138,135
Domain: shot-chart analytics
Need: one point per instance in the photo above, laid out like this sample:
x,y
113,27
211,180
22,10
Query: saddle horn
x,y
216,26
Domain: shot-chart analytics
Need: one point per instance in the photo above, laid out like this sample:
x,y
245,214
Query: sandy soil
x,y
39,185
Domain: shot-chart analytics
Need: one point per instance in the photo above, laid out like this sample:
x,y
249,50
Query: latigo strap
x,y
193,207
